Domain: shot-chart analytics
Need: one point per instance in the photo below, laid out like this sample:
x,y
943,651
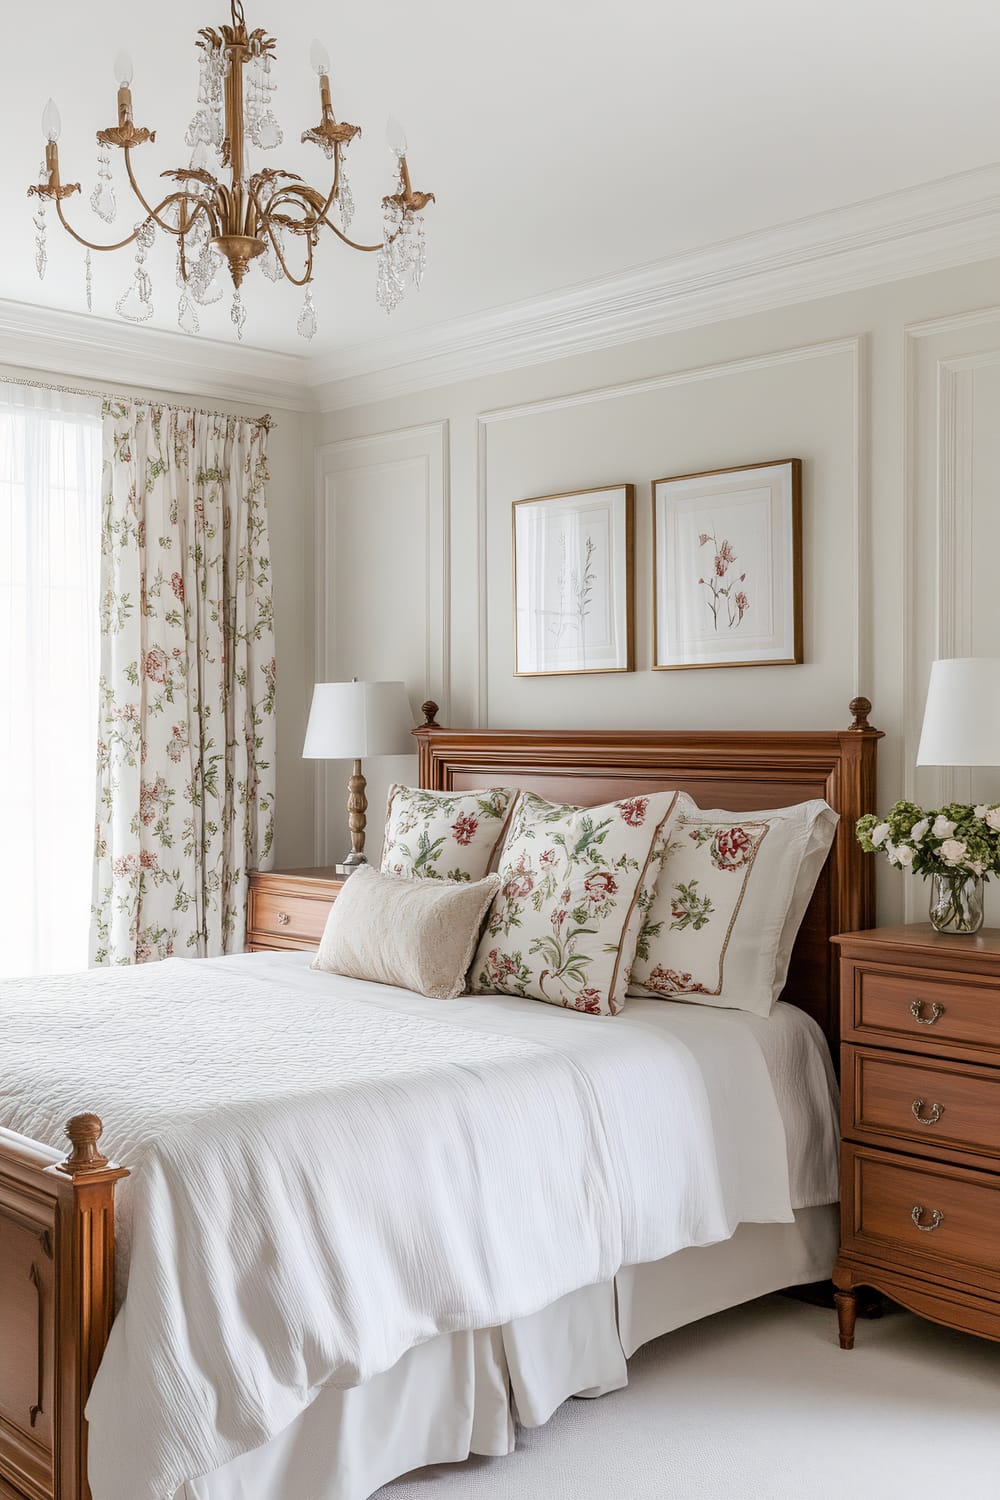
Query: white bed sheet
x,y
284,1125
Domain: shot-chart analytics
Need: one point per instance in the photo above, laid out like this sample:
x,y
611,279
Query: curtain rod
x,y
266,421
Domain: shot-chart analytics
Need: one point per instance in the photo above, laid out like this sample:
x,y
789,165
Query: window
x,y
50,538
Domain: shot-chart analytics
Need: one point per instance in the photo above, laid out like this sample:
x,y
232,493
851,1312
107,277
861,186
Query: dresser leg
x,y
847,1308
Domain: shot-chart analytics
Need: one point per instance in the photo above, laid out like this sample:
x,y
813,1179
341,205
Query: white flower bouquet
x,y
959,845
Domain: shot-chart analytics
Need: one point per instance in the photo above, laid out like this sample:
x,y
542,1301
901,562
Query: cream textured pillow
x,y
418,934
443,835
564,926
720,918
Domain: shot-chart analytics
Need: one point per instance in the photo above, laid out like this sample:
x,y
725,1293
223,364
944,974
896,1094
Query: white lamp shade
x,y
352,720
962,713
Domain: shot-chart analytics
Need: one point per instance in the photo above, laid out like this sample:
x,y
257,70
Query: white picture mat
x,y
556,630
753,512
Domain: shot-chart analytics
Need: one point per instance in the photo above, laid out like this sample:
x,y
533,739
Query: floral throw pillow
x,y
443,835
564,924
725,899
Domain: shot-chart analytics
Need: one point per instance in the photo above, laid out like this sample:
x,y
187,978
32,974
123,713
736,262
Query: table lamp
x,y
350,721
962,713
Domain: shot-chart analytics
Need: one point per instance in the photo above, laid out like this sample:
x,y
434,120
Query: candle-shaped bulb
x,y
396,136
51,122
123,70
319,59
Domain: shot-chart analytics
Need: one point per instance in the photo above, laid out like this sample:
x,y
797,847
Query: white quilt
x,y
326,1173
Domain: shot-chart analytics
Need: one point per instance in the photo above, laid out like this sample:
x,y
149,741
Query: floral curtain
x,y
187,729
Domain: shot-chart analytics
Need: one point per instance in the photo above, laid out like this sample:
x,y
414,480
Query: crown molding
x,y
102,350
932,227
950,222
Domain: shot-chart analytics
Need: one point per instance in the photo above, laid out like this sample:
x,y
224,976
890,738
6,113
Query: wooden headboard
x,y
734,769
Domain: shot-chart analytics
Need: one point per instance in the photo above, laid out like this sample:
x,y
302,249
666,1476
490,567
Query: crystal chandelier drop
x,y
251,214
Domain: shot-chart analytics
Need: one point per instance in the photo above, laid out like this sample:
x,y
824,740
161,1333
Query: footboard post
x,y
56,1306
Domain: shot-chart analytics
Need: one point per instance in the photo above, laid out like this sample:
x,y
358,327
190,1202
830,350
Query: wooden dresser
x,y
920,1112
288,908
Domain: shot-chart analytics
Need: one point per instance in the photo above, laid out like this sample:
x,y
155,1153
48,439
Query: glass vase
x,y
956,902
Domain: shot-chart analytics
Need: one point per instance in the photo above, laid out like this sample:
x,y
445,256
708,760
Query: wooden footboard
x,y
57,1253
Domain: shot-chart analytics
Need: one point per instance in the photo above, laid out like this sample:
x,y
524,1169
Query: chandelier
x,y
235,216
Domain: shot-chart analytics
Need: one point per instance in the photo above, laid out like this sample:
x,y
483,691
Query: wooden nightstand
x,y
287,909
920,1125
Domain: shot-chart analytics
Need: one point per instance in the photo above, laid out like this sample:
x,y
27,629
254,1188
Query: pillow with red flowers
x,y
728,894
443,835
564,924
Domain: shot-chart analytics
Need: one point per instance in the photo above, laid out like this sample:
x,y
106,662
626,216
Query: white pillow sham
x,y
721,916
418,934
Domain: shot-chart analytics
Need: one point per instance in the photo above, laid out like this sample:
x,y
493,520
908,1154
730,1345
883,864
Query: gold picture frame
x,y
705,612
574,582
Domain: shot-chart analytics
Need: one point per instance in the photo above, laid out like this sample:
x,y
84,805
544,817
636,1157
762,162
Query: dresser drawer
x,y
906,1008
276,914
934,1104
958,1223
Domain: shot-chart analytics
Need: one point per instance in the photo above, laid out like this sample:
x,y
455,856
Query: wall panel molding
x,y
941,360
853,348
398,454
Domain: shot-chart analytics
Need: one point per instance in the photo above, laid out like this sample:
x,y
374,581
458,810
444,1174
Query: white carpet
x,y
759,1403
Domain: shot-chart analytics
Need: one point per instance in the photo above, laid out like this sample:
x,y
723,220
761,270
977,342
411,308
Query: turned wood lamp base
x,y
357,806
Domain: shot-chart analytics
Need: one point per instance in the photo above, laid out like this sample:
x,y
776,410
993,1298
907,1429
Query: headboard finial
x,y
84,1132
429,711
860,708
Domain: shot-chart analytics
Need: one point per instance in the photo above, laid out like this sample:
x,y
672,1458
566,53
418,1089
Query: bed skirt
x,y
463,1393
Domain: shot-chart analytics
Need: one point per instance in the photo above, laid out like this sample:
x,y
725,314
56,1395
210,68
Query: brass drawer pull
x,y
916,1011
937,1110
917,1213
283,919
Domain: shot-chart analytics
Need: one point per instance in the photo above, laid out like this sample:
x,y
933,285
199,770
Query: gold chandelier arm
x,y
304,194
336,182
303,197
319,219
295,280
299,190
254,204
200,206
293,193
89,243
154,213
130,239
353,243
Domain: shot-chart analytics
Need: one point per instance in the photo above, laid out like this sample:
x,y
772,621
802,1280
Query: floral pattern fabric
x,y
724,900
443,835
565,922
689,915
187,730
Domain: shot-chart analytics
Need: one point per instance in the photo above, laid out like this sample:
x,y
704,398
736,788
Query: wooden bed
x,y
57,1211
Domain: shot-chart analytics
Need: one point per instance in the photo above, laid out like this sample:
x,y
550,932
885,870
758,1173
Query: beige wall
x,y
290,460
890,395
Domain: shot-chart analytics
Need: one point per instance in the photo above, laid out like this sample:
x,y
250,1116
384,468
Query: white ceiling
x,y
565,141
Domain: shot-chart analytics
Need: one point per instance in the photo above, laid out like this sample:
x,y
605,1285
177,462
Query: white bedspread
x,y
326,1173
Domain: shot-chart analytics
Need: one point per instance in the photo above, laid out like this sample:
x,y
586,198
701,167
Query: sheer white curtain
x,y
50,548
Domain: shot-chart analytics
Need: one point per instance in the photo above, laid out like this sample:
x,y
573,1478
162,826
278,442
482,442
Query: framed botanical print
x,y
727,565
573,566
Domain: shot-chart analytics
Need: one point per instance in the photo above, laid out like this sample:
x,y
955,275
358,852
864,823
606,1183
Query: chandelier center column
x,y
236,53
